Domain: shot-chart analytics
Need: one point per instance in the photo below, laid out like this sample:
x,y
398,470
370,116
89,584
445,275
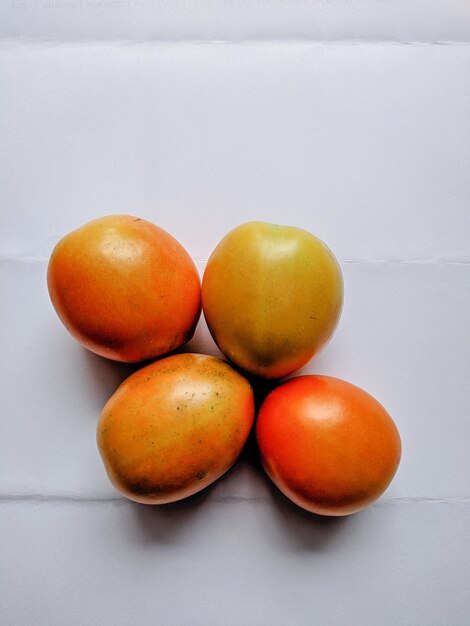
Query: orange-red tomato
x,y
328,445
125,288
272,297
174,427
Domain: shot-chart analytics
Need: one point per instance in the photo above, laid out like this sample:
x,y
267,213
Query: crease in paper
x,y
222,499
288,41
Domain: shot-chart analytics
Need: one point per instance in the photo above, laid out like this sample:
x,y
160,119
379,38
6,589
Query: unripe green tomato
x,y
272,297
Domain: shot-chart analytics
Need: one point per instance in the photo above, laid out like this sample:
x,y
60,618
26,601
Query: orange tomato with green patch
x,y
174,427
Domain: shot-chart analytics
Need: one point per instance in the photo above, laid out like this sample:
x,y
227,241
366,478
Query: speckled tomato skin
x,y
174,427
272,297
329,446
125,288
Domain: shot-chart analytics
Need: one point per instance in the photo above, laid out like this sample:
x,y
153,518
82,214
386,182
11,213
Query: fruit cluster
x,y
272,297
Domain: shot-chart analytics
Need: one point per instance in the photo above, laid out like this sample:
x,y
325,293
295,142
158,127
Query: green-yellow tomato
x,y
272,297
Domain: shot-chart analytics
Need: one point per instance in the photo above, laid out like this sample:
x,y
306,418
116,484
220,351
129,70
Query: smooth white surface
x,y
236,20
367,145
233,563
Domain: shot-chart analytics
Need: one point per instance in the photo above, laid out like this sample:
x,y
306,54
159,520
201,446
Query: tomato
x,y
328,445
272,297
125,288
174,427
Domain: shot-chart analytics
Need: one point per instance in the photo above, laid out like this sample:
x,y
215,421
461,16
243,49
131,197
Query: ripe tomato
x,y
329,446
174,427
272,296
125,288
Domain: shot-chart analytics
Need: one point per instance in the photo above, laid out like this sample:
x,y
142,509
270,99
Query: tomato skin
x,y
125,288
272,297
174,427
329,446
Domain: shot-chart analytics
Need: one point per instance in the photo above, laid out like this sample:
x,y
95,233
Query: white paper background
x,y
313,114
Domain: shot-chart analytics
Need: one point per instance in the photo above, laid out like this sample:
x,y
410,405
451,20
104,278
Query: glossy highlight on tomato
x,y
174,427
125,288
328,445
272,297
